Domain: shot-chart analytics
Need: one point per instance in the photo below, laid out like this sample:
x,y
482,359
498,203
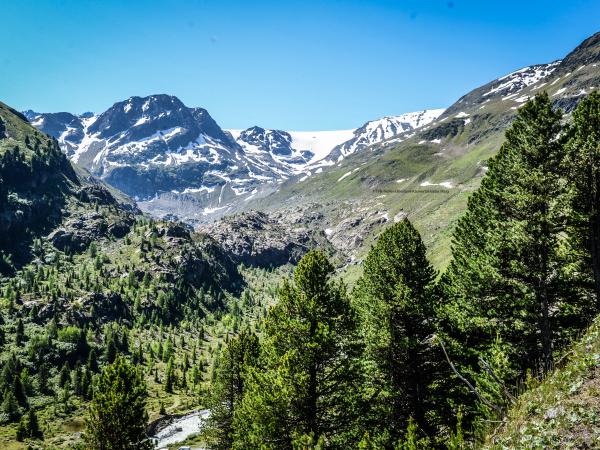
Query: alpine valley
x,y
429,280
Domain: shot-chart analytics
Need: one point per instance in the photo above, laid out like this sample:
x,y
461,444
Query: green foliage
x,y
308,442
582,166
509,298
411,439
402,364
170,377
10,407
519,288
239,356
29,427
310,380
117,414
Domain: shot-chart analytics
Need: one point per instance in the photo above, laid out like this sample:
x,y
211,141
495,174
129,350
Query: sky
x,y
292,65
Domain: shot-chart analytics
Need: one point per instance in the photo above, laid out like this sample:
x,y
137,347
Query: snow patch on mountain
x,y
320,143
380,130
520,79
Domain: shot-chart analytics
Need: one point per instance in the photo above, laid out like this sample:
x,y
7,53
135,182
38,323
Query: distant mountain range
x,y
163,153
177,162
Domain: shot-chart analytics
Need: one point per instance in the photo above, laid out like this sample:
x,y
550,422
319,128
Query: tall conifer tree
x,y
397,316
311,380
240,354
117,415
583,172
505,290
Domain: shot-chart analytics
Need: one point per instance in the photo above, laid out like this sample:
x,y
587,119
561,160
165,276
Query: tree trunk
x,y
594,237
311,410
545,306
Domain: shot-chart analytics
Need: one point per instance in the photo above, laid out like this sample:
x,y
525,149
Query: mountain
x,y
307,151
295,149
429,173
177,162
156,149
383,129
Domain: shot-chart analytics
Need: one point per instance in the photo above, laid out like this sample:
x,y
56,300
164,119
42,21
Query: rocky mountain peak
x,y
275,141
586,53
376,131
139,117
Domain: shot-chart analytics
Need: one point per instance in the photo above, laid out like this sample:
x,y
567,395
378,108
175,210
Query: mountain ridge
x,y
176,160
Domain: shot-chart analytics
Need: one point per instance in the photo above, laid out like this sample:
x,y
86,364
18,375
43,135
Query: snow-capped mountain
x,y
505,88
303,151
296,150
152,145
176,159
383,129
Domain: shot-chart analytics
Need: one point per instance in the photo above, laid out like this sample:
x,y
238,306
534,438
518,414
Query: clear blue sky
x,y
298,65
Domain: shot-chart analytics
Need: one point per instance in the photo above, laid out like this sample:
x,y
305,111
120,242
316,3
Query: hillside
x,y
562,411
429,176
85,276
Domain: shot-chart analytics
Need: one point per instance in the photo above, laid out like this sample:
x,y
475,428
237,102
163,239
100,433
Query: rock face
x,y
94,306
274,148
77,233
266,240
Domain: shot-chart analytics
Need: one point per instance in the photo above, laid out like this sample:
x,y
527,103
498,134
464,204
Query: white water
x,y
181,429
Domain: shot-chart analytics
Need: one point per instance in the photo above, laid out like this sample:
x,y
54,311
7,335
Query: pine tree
x,y
19,333
397,311
19,391
240,354
111,349
86,384
92,361
168,350
583,173
505,283
170,377
117,414
10,407
76,380
21,432
82,347
310,385
43,375
64,375
65,397
33,426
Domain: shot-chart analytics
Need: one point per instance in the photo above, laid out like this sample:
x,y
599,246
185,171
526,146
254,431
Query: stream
x,y
181,429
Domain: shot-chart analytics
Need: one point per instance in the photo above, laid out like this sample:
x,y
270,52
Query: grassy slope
x,y
564,410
